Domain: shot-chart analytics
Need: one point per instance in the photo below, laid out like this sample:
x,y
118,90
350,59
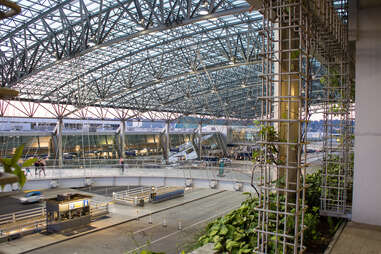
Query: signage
x,y
75,205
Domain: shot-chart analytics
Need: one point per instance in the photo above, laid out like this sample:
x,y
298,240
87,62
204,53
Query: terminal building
x,y
280,91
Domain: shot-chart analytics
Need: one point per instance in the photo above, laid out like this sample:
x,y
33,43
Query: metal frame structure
x,y
294,32
161,56
285,80
337,146
190,57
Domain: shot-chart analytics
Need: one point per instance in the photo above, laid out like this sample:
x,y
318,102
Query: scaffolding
x,y
294,33
337,168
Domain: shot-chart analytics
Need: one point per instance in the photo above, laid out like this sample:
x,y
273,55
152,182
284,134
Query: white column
x,y
122,134
367,171
168,143
59,145
200,138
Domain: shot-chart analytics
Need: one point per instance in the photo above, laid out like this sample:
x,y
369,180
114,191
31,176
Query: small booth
x,y
67,211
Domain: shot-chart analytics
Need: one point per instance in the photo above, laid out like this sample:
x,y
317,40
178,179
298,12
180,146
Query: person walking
x,y
221,171
42,168
36,166
121,162
27,171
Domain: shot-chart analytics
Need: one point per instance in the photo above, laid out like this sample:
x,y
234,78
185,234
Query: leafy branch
x,y
11,165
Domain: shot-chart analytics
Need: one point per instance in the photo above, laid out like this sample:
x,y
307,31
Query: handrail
x,y
22,215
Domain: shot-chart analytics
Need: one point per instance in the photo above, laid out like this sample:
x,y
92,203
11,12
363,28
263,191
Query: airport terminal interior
x,y
190,126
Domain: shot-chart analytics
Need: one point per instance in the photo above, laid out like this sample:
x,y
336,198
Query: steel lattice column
x,y
285,83
337,162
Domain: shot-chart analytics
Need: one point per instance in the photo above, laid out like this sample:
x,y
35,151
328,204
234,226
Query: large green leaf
x,y
7,164
16,157
20,174
213,232
231,244
218,246
224,230
244,251
29,162
216,238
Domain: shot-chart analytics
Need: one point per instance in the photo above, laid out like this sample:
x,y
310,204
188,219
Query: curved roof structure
x,y
183,56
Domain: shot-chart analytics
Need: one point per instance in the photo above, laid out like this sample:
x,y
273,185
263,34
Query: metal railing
x,y
34,220
22,215
131,196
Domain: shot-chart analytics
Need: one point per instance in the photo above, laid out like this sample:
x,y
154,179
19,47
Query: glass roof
x,y
190,56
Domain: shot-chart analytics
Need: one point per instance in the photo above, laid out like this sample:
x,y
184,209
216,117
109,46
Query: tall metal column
x,y
285,66
337,163
59,145
122,135
305,30
200,138
168,141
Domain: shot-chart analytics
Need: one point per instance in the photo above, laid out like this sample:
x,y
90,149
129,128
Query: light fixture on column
x,y
204,10
232,60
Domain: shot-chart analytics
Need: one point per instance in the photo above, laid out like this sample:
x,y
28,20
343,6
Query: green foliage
x,y
268,134
234,233
11,165
334,82
151,252
295,54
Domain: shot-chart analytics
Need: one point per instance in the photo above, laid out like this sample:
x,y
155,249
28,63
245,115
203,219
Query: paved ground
x,y
358,238
130,235
13,204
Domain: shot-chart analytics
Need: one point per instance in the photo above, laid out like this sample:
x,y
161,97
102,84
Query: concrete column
x,y
122,134
367,171
59,142
168,141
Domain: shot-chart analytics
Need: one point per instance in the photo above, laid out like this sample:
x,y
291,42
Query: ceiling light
x,y
203,11
232,60
140,28
205,4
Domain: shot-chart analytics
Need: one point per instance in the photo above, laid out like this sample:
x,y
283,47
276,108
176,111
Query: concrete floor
x,y
358,238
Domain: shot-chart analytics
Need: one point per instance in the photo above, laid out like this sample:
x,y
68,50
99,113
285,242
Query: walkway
x,y
358,238
196,176
235,177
